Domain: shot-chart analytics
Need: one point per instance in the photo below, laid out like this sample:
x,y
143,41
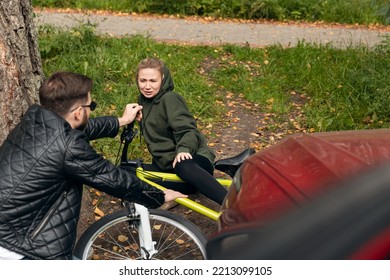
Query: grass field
x,y
346,87
341,89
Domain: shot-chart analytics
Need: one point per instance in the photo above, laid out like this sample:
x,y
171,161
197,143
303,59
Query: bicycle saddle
x,y
231,165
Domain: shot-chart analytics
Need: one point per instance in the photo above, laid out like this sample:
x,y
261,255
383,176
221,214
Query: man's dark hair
x,y
63,90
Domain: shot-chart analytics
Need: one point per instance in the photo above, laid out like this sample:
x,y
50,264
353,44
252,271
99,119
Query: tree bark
x,y
20,62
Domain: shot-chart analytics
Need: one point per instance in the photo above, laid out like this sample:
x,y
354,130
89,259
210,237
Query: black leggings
x,y
198,174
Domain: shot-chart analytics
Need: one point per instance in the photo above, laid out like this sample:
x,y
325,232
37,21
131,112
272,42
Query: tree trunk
x,y
20,63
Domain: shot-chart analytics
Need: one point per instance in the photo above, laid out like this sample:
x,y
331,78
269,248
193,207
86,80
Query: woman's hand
x,y
171,195
139,115
181,156
131,112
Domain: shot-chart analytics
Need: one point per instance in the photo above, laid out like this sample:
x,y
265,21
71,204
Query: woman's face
x,y
149,82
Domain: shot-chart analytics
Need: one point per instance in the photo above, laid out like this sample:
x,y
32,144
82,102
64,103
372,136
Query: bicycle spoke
x,y
116,247
171,240
116,236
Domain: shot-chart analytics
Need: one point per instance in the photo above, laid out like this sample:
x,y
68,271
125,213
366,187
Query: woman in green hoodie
x,y
171,134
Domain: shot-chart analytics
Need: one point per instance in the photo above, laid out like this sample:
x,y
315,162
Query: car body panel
x,y
293,172
349,222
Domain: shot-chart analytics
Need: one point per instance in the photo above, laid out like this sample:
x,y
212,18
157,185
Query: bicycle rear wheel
x,y
116,237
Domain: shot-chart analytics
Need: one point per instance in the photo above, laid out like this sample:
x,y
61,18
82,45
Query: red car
x,y
293,177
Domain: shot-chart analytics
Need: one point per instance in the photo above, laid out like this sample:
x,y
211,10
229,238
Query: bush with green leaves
x,y
342,11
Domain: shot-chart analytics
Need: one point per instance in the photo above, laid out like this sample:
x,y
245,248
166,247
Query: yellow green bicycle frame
x,y
170,177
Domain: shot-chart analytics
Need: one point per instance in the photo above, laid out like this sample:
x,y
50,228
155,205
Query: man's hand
x,y
131,112
171,195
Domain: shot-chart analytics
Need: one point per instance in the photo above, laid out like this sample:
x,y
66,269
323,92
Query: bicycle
x,y
136,232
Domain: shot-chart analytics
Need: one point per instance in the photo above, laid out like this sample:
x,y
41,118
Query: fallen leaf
x,y
95,201
122,238
98,212
133,246
98,193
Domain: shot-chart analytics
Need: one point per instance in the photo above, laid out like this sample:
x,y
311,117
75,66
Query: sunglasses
x,y
92,106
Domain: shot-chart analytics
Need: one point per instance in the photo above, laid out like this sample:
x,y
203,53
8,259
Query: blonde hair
x,y
151,63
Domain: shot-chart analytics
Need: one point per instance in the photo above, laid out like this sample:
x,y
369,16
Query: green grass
x,y
347,88
342,89
342,11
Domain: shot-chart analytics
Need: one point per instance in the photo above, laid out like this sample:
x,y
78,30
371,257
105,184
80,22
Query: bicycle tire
x,y
115,237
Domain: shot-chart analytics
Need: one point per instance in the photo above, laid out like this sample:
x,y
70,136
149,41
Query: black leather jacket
x,y
43,166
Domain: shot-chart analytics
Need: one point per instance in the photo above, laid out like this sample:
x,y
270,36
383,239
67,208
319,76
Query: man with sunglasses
x,y
44,163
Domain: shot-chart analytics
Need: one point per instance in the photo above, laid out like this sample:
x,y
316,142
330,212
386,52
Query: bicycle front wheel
x,y
116,237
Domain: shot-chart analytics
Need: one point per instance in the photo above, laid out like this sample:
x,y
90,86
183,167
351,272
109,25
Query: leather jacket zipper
x,y
48,216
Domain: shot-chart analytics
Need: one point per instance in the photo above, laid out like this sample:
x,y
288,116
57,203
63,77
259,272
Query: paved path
x,y
214,32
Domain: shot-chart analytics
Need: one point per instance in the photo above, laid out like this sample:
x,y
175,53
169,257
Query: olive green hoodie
x,y
168,126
